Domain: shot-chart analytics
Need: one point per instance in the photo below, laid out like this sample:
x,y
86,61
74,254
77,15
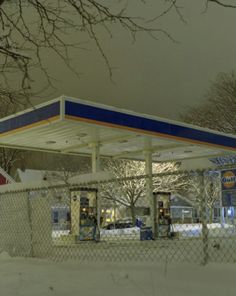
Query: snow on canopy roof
x,y
72,126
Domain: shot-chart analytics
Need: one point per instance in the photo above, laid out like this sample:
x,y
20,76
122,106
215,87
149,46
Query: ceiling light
x,y
50,142
81,135
123,141
188,151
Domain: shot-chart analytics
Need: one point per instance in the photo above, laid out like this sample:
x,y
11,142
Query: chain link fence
x,y
61,222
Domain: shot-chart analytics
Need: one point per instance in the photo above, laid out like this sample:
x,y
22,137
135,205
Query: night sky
x,y
159,77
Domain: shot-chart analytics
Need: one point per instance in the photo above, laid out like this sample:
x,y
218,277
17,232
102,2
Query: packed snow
x,y
34,277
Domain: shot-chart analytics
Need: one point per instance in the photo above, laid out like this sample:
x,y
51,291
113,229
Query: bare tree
x,y
219,108
222,3
204,184
9,158
62,168
29,28
124,193
217,112
65,167
131,192
212,191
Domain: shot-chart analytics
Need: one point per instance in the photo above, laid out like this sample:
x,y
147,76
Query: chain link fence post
x,y
149,192
203,215
31,253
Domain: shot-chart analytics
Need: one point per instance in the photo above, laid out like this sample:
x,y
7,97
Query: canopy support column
x,y
149,189
95,157
204,220
95,169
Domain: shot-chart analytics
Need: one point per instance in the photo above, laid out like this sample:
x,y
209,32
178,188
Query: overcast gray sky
x,y
157,77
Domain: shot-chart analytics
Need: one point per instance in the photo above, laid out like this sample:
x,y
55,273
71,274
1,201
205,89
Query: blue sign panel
x,y
159,127
228,186
228,179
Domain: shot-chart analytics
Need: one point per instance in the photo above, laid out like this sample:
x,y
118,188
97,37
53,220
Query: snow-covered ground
x,y
195,230
124,244
33,277
184,230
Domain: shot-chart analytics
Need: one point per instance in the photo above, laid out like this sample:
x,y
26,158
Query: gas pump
x,y
162,216
84,214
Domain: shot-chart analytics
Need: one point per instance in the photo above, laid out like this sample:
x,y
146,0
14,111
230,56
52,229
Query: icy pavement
x,y
32,277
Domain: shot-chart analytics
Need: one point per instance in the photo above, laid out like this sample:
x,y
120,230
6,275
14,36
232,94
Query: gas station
x,y
77,127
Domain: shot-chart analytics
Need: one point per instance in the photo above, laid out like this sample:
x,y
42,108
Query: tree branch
x,y
222,3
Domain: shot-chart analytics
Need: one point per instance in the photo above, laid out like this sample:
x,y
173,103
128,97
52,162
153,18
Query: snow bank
x,y
195,230
125,233
4,256
184,230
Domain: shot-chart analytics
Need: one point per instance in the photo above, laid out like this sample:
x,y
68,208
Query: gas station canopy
x,y
73,126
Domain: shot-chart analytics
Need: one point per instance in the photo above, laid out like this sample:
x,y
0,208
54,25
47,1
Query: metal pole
x,y
95,169
95,157
222,216
30,224
203,208
149,189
